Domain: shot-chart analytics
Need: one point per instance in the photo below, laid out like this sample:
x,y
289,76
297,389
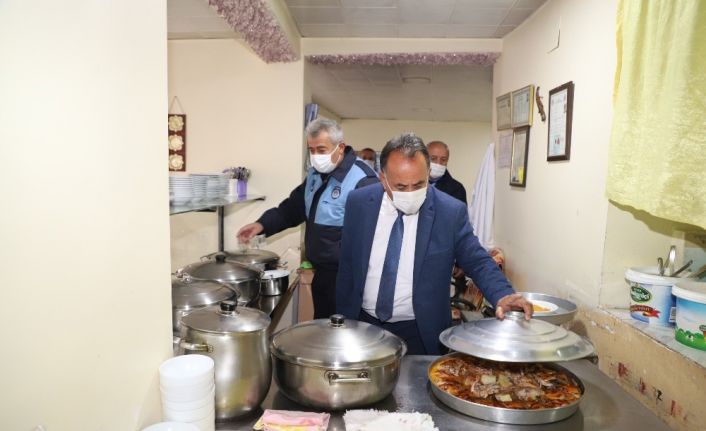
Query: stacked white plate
x,y
210,185
188,391
199,185
180,189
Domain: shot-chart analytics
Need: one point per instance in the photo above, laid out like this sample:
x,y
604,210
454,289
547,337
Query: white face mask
x,y
437,170
408,202
370,163
322,162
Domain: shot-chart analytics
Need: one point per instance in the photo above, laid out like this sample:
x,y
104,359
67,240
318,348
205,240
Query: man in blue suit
x,y
400,240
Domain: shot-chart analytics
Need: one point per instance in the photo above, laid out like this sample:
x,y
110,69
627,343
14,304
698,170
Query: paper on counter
x,y
376,420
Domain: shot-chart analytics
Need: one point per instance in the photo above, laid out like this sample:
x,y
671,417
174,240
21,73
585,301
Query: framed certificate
x,y
561,107
518,164
503,109
522,106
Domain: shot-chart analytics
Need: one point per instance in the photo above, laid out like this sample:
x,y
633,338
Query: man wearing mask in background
x,y
369,157
400,240
439,174
319,201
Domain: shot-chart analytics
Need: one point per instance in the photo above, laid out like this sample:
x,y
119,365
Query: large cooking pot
x,y
259,258
189,294
515,340
236,338
240,277
274,282
335,363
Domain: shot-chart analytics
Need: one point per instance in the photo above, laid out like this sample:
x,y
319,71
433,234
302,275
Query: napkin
x,y
376,420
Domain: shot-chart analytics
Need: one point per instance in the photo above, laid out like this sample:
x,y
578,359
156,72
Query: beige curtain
x,y
657,159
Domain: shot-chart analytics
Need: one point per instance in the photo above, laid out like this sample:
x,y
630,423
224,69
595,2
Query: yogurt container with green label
x,y
651,299
691,313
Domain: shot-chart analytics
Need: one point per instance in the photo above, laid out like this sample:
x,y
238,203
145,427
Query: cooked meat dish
x,y
504,384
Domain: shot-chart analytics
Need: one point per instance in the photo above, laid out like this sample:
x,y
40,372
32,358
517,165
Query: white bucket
x,y
691,313
651,298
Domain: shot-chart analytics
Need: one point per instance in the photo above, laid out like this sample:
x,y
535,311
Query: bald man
x,y
439,175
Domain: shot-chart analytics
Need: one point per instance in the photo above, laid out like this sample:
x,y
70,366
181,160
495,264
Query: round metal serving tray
x,y
565,310
505,415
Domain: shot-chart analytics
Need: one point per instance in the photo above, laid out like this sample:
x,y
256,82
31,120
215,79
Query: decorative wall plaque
x,y
177,142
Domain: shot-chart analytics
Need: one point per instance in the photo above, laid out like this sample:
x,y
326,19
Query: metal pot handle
x,y
196,347
356,376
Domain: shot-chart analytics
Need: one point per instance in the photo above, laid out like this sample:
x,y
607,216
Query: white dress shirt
x,y
402,308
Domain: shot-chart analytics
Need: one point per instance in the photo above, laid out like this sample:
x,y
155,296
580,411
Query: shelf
x,y
662,334
210,205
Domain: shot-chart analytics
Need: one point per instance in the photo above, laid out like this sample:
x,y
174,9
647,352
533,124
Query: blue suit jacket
x,y
444,235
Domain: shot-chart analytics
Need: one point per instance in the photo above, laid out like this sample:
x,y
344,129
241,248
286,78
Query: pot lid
x,y
337,343
189,292
221,270
515,339
252,256
226,318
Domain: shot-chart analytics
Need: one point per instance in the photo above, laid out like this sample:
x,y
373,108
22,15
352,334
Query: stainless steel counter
x,y
605,406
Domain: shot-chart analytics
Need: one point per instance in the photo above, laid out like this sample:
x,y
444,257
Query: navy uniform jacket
x,y
320,201
444,235
449,185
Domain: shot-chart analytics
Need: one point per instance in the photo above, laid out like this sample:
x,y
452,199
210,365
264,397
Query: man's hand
x,y
513,302
248,232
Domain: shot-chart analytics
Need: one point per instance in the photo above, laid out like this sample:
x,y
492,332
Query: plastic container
x,y
186,394
190,405
691,313
651,299
191,416
186,370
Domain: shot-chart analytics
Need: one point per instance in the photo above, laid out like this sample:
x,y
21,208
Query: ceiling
x,y
410,18
407,92
447,93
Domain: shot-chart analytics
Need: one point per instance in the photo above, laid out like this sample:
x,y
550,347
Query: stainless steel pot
x,y
189,294
241,278
274,282
334,363
236,339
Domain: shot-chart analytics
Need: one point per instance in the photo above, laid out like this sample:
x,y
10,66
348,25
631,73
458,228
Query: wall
x,y
553,230
560,234
467,141
240,112
84,223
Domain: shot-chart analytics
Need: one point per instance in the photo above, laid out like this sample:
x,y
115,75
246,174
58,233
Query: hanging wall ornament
x,y
256,23
418,58
176,128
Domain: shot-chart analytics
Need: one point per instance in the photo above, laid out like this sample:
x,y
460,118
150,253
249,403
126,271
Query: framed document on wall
x,y
503,111
518,166
561,107
522,106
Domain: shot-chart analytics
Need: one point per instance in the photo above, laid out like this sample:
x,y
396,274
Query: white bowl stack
x,y
188,391
180,189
